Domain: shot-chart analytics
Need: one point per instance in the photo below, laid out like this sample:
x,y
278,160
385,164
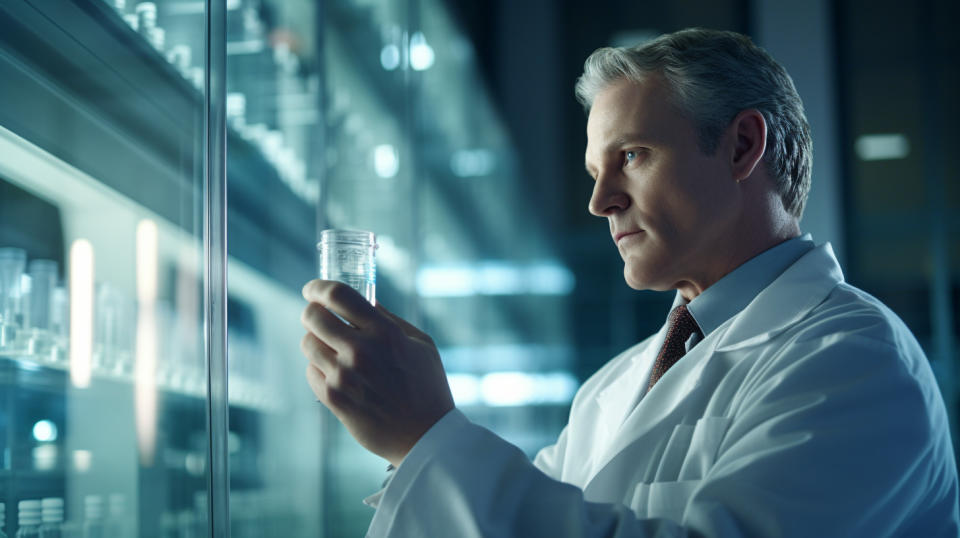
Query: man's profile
x,y
776,400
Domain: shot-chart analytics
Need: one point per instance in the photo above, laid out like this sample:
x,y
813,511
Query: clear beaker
x,y
349,256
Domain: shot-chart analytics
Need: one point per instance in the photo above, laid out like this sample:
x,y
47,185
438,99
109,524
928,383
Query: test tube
x,y
60,323
44,279
349,256
12,263
112,330
23,309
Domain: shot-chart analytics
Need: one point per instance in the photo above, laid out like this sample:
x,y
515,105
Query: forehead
x,y
629,108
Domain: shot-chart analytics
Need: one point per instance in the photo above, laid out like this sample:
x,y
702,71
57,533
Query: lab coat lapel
x,y
801,287
620,396
653,418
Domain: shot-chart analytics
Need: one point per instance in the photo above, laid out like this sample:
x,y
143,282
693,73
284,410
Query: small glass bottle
x,y
3,519
116,525
28,519
51,517
93,516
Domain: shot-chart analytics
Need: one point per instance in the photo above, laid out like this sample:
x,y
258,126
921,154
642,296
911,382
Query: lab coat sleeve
x,y
837,437
462,480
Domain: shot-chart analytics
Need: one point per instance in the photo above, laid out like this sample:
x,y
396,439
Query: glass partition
x,y
103,408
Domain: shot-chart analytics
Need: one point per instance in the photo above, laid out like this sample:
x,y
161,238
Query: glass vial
x,y
350,257
93,516
51,516
28,519
43,275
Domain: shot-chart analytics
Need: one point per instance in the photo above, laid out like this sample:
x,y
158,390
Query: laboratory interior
x,y
167,168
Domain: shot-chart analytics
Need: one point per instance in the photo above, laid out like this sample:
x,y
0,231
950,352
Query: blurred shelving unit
x,y
366,114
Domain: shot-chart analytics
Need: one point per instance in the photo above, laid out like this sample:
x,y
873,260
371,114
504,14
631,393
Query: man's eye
x,y
630,155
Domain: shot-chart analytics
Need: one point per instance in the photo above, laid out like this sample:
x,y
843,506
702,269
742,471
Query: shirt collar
x,y
734,291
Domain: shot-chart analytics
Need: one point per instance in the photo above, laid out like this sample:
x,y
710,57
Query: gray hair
x,y
714,75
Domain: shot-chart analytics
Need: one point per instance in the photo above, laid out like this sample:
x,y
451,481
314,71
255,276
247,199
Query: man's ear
x,y
750,132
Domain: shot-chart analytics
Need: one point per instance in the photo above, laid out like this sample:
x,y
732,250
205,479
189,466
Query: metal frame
x,y
215,265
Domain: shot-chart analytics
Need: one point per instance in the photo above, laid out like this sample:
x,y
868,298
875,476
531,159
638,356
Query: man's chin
x,y
640,281
635,281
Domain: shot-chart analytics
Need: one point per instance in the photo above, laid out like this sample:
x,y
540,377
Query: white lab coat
x,y
811,413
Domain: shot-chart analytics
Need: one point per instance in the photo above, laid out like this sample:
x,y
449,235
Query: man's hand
x,y
381,376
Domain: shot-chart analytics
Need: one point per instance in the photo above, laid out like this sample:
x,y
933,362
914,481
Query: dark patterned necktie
x,y
682,326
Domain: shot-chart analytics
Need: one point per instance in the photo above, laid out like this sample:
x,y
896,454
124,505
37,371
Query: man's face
x,y
672,209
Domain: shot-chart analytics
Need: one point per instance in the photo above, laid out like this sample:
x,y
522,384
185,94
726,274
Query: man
x,y
777,400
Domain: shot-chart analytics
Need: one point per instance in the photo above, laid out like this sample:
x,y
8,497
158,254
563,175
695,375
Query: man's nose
x,y
607,197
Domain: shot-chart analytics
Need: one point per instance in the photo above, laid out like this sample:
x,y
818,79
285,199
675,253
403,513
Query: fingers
x,y
405,326
327,327
320,355
342,299
338,375
327,395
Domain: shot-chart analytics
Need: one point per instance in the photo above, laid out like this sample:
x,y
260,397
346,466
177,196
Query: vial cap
x,y
29,505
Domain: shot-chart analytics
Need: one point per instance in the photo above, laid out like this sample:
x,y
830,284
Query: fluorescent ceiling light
x,y
495,278
506,388
526,388
386,161
880,147
421,53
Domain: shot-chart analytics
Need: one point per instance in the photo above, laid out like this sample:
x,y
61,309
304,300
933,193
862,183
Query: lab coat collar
x,y
789,298
786,300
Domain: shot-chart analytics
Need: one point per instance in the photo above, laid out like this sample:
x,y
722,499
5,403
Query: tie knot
x,y
680,326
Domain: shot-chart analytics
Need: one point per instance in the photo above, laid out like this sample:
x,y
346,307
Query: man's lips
x,y
621,235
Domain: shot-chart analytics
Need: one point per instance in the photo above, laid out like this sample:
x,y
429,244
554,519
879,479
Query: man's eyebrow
x,y
628,138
